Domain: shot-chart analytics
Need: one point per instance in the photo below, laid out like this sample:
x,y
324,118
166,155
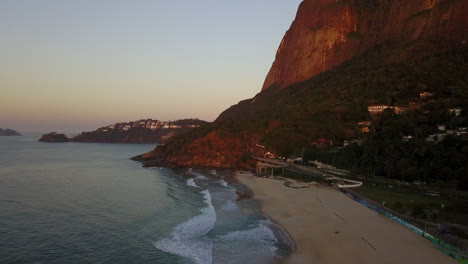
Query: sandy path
x,y
329,227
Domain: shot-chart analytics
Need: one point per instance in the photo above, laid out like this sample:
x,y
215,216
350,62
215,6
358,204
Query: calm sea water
x,y
88,203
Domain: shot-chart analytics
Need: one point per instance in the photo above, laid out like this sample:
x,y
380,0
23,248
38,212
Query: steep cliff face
x,y
326,33
385,52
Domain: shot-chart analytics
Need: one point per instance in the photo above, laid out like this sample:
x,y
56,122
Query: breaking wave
x,y
188,238
199,176
191,182
262,233
223,183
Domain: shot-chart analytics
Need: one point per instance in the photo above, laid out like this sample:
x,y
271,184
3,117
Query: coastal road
x,y
328,173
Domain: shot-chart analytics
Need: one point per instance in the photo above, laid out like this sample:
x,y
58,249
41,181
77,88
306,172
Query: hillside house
x,y
436,137
425,94
375,109
455,111
399,110
364,125
321,141
354,141
407,138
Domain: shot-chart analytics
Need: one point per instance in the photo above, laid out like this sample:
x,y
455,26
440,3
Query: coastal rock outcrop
x,y
9,132
54,137
213,150
327,33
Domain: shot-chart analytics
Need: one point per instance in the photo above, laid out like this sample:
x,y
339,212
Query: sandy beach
x,y
329,227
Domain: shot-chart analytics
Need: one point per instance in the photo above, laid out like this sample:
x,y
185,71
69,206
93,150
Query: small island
x,y
9,132
54,137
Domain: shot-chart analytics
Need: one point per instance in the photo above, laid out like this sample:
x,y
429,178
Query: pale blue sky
x,y
72,65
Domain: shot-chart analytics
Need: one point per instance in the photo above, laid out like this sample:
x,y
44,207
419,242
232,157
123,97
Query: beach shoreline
x,y
329,227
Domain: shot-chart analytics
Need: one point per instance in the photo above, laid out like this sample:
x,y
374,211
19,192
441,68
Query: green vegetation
x,y
415,201
289,121
179,144
385,153
189,121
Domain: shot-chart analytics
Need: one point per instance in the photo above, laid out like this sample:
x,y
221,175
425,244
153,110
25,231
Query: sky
x,y
68,65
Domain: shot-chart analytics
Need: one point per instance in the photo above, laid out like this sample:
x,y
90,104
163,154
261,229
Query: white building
x,y
374,109
456,111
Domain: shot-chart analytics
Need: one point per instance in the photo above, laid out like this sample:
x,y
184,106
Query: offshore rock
x,y
54,137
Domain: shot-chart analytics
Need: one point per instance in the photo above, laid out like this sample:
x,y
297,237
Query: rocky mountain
x,y
338,58
54,137
141,131
327,33
8,132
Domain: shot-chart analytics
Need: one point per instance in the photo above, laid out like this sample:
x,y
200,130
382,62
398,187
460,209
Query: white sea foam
x,y
191,182
213,172
223,183
259,233
262,233
189,238
200,176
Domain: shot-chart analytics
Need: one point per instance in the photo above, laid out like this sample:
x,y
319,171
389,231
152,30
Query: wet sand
x,y
329,227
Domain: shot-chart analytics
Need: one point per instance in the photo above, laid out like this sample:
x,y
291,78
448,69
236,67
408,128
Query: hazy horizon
x,y
73,66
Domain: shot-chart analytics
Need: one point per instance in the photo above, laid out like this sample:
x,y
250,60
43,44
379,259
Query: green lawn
x,y
413,201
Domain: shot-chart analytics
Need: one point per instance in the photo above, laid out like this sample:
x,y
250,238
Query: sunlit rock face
x,y
326,33
209,151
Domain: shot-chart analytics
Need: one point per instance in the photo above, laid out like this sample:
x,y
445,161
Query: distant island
x,y
54,137
140,131
9,132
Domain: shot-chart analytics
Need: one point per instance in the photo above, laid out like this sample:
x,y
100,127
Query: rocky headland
x,y
140,131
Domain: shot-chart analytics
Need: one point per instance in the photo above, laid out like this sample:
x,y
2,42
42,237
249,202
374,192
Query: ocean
x,y
89,203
